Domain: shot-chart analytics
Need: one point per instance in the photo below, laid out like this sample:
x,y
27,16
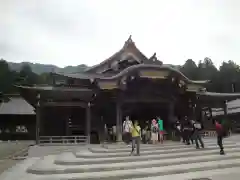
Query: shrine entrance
x,y
144,113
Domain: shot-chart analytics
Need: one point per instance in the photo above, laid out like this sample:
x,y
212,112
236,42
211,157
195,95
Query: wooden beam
x,y
145,100
66,104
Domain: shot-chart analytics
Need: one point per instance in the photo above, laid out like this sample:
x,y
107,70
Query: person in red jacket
x,y
220,135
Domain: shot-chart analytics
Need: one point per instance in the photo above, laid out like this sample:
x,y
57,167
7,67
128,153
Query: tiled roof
x,y
16,106
128,46
133,68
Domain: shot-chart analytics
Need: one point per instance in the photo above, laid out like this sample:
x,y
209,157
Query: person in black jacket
x,y
187,130
197,127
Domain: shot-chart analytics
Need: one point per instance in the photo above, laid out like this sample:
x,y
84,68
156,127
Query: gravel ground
x,y
9,150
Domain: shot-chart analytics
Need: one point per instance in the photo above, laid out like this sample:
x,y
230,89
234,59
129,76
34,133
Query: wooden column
x,y
119,122
38,117
88,122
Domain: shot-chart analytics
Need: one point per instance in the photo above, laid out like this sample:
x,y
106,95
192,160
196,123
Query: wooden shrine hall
x,y
126,84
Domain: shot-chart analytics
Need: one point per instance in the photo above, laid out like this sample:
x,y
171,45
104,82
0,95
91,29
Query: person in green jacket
x,y
161,130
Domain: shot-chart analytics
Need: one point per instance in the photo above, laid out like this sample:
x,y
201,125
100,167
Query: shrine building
x,y
126,84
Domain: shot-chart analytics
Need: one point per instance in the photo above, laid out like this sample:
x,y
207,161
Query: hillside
x,y
45,68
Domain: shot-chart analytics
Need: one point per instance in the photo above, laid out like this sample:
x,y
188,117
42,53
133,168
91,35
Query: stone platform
x,y
173,161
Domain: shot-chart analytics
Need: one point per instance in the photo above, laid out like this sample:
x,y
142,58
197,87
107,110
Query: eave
x,y
132,69
210,96
55,93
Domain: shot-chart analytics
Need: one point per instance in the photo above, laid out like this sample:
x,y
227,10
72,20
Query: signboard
x,y
193,87
155,74
108,85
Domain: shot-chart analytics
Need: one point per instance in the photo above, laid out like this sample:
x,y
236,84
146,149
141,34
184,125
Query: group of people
x,y
190,130
151,133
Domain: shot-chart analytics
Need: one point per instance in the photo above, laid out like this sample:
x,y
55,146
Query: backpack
x,y
154,129
197,126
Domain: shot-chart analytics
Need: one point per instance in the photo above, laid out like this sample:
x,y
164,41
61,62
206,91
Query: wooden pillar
x,y
88,122
119,122
38,118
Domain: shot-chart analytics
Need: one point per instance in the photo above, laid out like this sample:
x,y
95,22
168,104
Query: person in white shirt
x,y
114,133
127,127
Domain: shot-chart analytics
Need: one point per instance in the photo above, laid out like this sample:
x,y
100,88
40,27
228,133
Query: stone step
x,y
146,172
216,174
165,144
90,155
150,148
47,166
70,158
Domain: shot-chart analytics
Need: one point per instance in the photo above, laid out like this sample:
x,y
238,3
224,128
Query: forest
x,y
225,79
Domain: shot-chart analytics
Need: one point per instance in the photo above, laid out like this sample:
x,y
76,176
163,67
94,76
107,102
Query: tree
x,y
229,76
5,77
28,77
189,69
206,69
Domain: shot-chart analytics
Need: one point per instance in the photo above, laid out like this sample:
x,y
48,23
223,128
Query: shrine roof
x,y
128,48
130,69
16,106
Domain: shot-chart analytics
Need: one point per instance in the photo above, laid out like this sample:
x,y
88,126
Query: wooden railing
x,y
62,140
206,133
212,133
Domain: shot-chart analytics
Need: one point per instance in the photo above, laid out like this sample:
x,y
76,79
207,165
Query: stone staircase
x,y
173,161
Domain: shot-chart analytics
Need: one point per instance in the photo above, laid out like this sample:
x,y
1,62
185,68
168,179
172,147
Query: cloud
x,y
73,32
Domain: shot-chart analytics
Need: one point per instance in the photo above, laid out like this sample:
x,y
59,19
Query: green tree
x,y
190,69
28,77
5,77
206,69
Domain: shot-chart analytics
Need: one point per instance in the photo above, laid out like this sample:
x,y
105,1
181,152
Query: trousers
x,y
198,138
136,144
127,137
219,142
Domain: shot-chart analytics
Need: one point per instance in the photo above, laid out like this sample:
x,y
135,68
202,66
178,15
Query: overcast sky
x,y
72,32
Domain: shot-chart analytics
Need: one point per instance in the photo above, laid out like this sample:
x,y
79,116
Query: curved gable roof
x,y
152,66
128,48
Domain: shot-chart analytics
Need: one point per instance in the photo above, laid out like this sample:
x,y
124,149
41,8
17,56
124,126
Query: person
x,y
148,133
161,130
136,138
187,129
154,131
114,133
220,135
127,126
144,135
196,135
178,128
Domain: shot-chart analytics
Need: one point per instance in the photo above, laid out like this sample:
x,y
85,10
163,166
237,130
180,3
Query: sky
x,y
73,32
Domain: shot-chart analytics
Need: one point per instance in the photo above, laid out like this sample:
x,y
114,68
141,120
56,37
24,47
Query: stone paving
x,y
8,150
173,161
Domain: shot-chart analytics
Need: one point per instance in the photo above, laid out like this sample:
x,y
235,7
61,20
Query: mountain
x,y
45,68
